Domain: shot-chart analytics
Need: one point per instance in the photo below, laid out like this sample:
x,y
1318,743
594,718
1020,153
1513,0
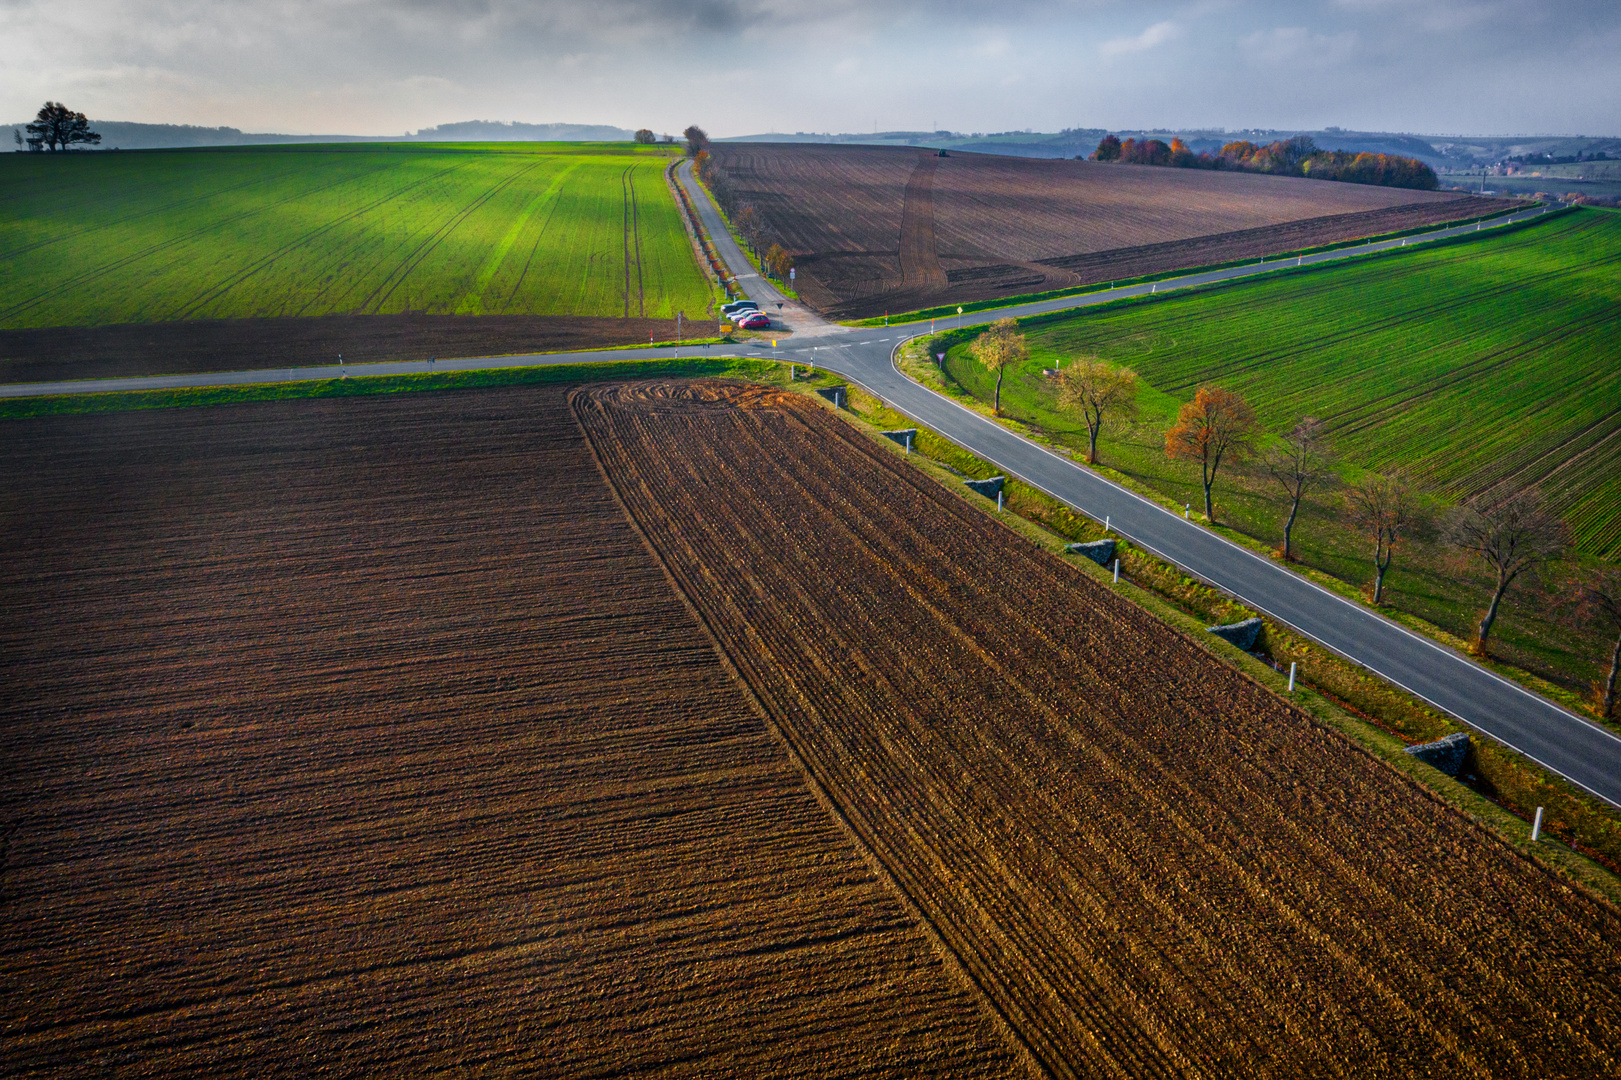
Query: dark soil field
x,y
174,348
878,229
1148,864
365,737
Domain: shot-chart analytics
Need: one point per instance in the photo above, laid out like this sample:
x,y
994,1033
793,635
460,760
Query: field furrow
x,y
369,733
1151,866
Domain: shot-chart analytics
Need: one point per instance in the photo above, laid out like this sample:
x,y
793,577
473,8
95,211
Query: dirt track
x,y
1149,864
869,225
366,738
172,348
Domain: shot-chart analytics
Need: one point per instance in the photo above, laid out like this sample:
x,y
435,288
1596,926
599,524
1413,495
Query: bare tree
x,y
1298,461
57,127
697,139
1598,604
645,137
1513,537
1386,510
1216,426
999,348
748,223
1092,388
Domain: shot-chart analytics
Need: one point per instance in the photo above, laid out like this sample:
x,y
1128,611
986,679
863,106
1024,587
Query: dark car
x,y
738,305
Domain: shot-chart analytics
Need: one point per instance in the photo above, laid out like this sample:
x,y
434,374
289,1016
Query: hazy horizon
x,y
374,68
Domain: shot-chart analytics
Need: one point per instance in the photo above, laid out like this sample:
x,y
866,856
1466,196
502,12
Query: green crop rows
x,y
538,229
1483,366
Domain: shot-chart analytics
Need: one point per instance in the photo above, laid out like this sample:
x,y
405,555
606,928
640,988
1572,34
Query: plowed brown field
x,y
365,737
1150,865
879,229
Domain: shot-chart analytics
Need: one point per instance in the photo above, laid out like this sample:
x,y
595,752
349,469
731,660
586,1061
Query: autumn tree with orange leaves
x,y
1216,426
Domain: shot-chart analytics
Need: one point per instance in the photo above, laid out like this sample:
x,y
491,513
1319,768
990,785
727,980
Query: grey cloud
x,y
1413,64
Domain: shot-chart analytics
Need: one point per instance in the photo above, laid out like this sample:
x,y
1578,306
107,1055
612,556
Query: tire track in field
x,y
627,227
471,302
384,291
127,219
533,248
202,231
636,234
270,258
920,261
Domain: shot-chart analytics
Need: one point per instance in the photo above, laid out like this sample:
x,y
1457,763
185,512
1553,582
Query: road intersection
x,y
1575,748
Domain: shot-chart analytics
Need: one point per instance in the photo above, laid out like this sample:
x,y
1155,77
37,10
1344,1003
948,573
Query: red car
x,y
758,320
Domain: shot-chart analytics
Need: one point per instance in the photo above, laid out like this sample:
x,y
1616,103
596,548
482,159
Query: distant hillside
x,y
123,135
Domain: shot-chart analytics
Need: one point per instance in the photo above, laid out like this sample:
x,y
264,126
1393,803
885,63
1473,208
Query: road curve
x,y
1556,738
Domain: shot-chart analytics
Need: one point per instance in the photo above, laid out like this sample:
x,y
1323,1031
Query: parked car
x,y
739,305
757,320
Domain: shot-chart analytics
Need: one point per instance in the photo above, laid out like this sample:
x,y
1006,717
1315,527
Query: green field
x,y
535,229
1477,366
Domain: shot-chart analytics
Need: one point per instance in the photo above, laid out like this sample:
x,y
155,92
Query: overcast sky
x,y
743,66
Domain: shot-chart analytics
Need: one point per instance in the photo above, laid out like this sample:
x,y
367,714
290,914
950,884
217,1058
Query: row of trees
x,y
750,224
1514,538
1298,156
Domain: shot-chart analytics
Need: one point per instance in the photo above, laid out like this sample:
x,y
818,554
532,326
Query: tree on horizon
x,y
57,127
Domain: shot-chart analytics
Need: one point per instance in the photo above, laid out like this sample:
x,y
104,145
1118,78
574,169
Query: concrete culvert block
x,y
1446,754
988,488
1099,551
904,436
838,395
1242,634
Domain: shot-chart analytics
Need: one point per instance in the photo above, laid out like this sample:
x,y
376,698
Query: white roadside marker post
x,y
1186,508
1291,676
998,502
1105,524
1117,571
1536,826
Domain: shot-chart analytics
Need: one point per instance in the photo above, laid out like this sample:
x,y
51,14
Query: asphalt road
x,y
1563,742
